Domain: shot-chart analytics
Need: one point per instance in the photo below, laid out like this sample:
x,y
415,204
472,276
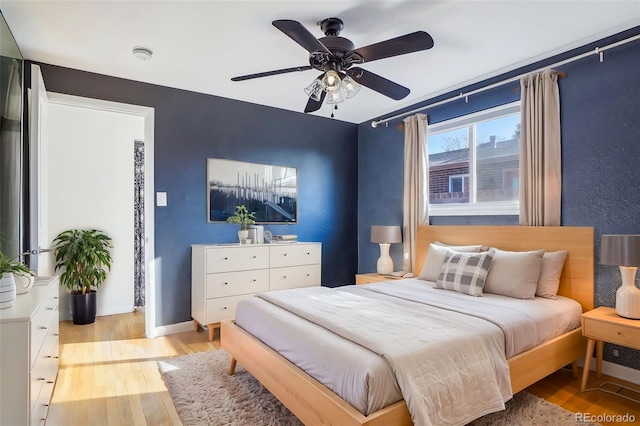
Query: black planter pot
x,y
84,307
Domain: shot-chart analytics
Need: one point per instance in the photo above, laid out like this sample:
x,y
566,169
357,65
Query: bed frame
x,y
314,404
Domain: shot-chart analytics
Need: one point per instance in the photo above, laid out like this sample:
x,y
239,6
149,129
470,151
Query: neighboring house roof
x,y
485,151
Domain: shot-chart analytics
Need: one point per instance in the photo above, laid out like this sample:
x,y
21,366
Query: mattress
x,y
366,380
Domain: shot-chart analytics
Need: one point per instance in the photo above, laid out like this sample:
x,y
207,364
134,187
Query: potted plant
x,y
245,218
8,267
85,256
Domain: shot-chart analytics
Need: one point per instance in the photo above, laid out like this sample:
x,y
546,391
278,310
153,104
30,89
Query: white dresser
x,y
29,355
224,274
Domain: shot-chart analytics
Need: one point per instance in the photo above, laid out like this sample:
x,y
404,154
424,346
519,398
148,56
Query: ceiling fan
x,y
336,56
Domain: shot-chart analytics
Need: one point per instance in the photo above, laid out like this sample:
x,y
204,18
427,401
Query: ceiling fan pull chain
x,y
334,107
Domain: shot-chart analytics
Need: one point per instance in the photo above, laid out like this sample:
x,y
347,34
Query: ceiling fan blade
x,y
402,45
268,73
314,105
300,35
377,83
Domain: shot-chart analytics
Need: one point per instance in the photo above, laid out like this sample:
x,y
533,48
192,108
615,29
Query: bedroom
x,y
358,165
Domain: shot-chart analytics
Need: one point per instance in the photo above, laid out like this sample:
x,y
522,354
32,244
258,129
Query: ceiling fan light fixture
x,y
350,86
335,97
314,90
331,82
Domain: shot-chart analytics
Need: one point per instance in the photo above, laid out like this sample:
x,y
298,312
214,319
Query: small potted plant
x,y
245,218
10,266
85,256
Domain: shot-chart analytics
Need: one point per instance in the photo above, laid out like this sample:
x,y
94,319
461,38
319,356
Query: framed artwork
x,y
269,191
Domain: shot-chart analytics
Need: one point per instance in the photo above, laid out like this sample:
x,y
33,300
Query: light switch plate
x,y
161,199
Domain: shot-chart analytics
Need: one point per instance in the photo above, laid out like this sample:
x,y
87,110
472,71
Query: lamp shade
x,y
620,250
386,234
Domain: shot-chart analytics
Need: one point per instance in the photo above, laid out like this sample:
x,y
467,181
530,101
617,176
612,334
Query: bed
x,y
313,403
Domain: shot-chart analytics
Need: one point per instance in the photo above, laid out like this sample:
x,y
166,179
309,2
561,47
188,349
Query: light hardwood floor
x,y
109,376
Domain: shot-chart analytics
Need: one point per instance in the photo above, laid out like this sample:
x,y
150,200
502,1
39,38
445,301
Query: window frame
x,y
472,208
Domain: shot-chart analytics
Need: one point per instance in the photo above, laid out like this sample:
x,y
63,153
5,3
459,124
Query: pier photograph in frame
x,y
271,192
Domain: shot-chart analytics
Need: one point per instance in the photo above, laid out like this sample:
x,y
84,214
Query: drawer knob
x,y
226,283
308,253
255,257
285,254
46,405
284,276
49,382
225,308
43,328
48,356
254,280
226,258
41,379
308,275
49,309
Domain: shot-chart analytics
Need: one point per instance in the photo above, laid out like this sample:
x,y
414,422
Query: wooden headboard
x,y
576,281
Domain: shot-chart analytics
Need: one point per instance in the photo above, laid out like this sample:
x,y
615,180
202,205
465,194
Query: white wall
x,y
90,185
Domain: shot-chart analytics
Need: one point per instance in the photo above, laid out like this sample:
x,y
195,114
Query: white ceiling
x,y
200,45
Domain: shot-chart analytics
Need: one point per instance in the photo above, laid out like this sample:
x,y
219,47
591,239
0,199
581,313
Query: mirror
x,y
11,146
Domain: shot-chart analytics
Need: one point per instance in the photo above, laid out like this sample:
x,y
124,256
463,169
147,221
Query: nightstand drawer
x,y
612,333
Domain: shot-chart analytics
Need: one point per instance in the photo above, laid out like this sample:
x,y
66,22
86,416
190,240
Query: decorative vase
x,y
243,234
84,307
7,291
23,283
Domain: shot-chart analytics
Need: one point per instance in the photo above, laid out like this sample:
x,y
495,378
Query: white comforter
x,y
451,367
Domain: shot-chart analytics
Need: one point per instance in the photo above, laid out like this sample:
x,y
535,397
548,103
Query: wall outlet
x,y
615,352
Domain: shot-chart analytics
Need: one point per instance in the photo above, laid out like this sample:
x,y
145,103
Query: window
x,y
459,183
474,163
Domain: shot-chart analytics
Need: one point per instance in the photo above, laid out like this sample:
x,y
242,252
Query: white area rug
x,y
204,394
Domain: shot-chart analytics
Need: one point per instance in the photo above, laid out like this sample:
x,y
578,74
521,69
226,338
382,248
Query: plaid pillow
x,y
465,272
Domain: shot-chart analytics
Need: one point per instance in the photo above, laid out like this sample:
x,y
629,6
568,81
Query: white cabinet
x,y
224,274
29,355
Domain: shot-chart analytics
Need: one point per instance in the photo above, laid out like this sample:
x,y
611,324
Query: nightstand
x,y
375,278
605,325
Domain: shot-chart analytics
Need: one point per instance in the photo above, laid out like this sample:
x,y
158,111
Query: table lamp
x,y
385,236
624,251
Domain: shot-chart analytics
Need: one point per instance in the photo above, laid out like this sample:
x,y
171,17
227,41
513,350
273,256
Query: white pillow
x,y
549,280
464,272
437,251
514,273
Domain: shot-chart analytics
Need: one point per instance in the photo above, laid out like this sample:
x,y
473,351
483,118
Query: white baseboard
x,y
616,370
180,327
115,310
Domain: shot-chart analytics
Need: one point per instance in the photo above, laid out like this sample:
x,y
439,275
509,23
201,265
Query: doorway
x,y
108,180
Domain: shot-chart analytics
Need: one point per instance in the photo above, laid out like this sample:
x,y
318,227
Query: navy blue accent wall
x,y
189,128
600,119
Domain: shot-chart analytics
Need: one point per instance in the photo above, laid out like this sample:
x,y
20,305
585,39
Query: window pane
x,y
497,159
448,156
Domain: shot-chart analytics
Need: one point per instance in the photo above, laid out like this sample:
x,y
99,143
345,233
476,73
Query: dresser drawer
x,y
294,277
236,283
612,333
44,318
41,407
223,308
295,254
230,259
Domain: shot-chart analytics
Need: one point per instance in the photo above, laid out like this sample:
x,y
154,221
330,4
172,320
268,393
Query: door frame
x,y
148,114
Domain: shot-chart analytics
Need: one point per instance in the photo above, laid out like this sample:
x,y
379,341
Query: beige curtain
x,y
415,181
540,157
